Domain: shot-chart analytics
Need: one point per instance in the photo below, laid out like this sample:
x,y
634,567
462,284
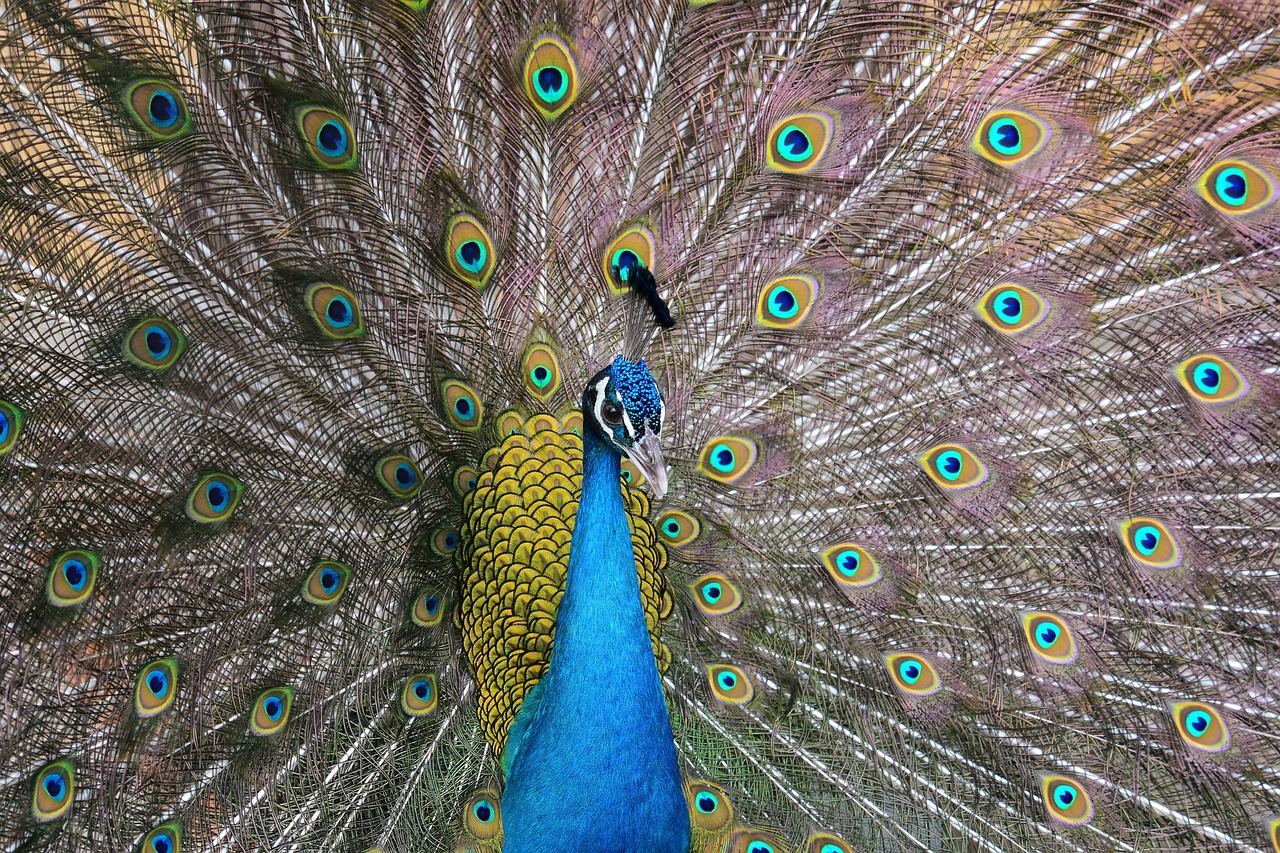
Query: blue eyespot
x,y
1145,539
422,689
164,109
332,140
340,312
1009,306
909,671
722,458
1064,795
1232,186
432,604
1207,377
75,573
158,683
949,464
162,843
551,83
1198,723
472,255
218,495
783,303
1005,137
727,681
848,563
329,579
405,476
794,144
463,409
624,260
483,810
760,847
158,342
1047,635
712,592
55,785
273,707
707,804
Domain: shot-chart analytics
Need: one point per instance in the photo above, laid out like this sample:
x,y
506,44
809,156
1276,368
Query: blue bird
x,y
930,505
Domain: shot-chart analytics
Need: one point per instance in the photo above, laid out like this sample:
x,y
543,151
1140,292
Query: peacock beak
x,y
646,454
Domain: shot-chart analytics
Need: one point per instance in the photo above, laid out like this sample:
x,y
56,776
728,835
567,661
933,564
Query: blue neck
x,y
591,761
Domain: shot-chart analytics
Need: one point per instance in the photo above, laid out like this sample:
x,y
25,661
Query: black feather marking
x,y
642,281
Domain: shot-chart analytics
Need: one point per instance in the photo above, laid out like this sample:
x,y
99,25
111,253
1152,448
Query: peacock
x,y
738,426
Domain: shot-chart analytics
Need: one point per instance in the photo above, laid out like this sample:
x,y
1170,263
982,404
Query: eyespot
x,y
165,838
716,595
465,480
271,710
755,841
541,371
631,475
726,458
785,302
1150,543
851,565
797,143
1009,137
510,422
1236,187
1201,726
10,426
428,609
821,842
1010,309
1050,638
72,575
444,542
214,498
550,76
635,246
470,251
328,137
419,695
399,475
326,582
55,788
913,674
156,688
1066,800
462,405
953,467
484,815
678,529
154,344
730,684
335,311
709,805
1212,379
158,108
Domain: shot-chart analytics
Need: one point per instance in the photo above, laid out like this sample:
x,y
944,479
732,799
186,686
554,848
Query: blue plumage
x,y
591,764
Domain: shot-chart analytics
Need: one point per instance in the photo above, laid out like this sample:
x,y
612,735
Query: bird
x,y
734,426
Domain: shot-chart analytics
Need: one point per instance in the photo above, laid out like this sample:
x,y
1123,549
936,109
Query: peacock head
x,y
623,405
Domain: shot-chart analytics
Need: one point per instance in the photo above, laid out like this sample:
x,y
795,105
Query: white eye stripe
x,y
626,423
600,398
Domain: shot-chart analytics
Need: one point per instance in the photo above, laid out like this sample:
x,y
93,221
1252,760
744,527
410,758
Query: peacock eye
x,y
612,414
